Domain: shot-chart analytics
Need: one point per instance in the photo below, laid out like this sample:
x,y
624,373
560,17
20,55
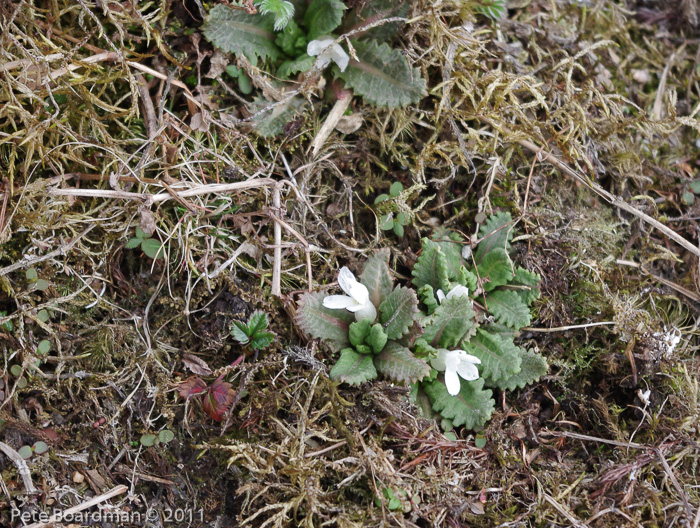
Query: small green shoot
x,y
39,448
253,332
150,246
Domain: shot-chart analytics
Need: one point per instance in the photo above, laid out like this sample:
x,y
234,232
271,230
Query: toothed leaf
x,y
369,12
359,331
398,363
431,267
398,311
452,321
452,250
292,40
235,31
383,77
494,269
499,359
532,368
495,234
353,368
321,322
529,279
377,338
377,277
508,309
281,10
301,64
427,297
493,9
472,407
322,17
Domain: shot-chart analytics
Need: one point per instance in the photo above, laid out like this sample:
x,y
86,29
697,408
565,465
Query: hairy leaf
x,y
359,331
501,330
532,368
398,363
495,234
494,269
133,243
431,267
192,386
261,340
321,322
508,309
235,31
292,40
398,311
468,279
427,297
452,321
500,358
301,64
377,338
529,280
493,9
257,322
282,10
472,407
322,17
152,248
452,251
371,12
383,77
353,368
240,332
377,277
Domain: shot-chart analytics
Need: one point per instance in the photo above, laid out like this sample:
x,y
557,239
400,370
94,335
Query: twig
x,y
80,507
577,436
680,289
277,263
341,105
26,262
22,467
676,484
565,328
573,520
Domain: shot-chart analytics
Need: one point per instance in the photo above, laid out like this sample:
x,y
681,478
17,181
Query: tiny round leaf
x,y
152,248
25,452
31,274
40,447
44,347
43,315
42,285
16,370
166,436
148,440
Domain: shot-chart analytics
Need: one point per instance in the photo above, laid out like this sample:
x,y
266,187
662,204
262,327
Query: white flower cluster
x,y
327,52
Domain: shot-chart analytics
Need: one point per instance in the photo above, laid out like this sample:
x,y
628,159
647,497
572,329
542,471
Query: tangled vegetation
x,y
170,206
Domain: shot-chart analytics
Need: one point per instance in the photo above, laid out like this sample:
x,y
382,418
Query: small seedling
x,y
164,437
16,371
150,246
253,332
395,502
244,83
388,221
39,448
7,325
33,278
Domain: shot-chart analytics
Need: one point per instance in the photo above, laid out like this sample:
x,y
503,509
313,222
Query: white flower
x,y
644,396
456,364
327,52
356,300
457,291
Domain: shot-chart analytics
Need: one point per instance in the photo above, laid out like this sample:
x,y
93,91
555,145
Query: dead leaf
x,y
196,365
349,124
148,221
191,387
477,508
198,123
218,63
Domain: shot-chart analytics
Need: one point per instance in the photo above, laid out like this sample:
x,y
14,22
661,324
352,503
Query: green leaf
x,y
695,186
25,452
301,64
244,84
381,198
386,222
240,332
396,189
688,198
235,31
494,269
16,370
40,447
133,243
257,322
468,279
494,234
453,253
282,10
377,277
499,359
398,311
322,17
41,284
42,315
431,267
529,280
377,338
472,407
398,229
501,330
382,76
369,12
321,322
359,331
353,368
452,321
493,9
508,309
43,347
363,349
399,364
292,40
31,274
427,297
532,368
166,436
152,248
261,340
147,440
271,122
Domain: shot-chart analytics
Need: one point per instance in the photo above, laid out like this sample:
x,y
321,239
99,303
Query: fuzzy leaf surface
x,y
452,321
321,322
282,10
530,280
370,12
322,17
431,267
495,234
532,368
398,363
218,399
398,311
495,269
235,31
508,308
452,251
472,407
377,338
500,358
427,297
383,77
377,277
301,64
353,368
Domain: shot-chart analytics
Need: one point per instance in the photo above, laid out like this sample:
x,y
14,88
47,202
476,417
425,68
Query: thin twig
x,y
277,263
80,507
680,289
565,328
22,467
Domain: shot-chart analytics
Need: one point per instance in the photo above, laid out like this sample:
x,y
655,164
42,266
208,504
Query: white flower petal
x,y
438,363
466,251
327,52
341,58
315,47
355,307
463,356
468,371
452,382
338,302
458,291
368,311
452,360
346,281
440,295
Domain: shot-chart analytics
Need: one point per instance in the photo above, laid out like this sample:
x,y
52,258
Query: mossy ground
x,y
611,90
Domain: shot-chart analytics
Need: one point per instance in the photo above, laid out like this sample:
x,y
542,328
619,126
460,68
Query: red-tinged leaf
x,y
191,387
218,399
196,365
